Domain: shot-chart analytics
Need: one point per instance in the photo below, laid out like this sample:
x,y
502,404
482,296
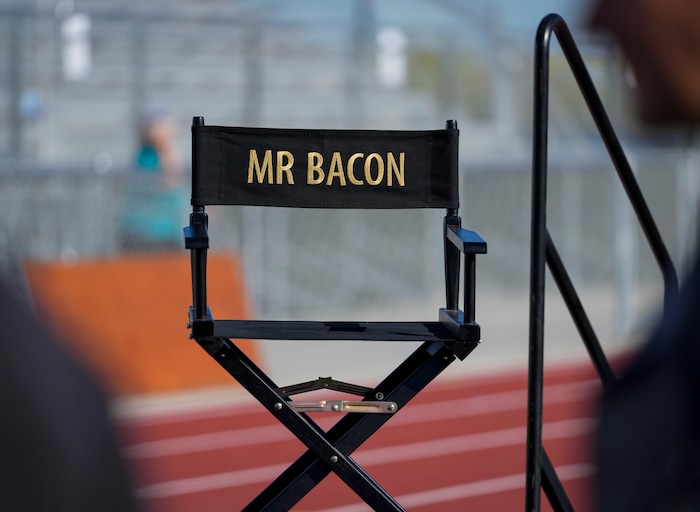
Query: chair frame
x,y
453,336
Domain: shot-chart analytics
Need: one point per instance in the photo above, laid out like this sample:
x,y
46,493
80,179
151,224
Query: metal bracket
x,y
367,407
325,383
363,406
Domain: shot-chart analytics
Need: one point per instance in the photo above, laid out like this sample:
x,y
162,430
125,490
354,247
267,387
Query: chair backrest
x,y
367,169
324,168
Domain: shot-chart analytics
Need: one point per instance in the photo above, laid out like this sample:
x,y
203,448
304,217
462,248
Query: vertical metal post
x,y
452,254
253,88
198,256
15,121
139,71
452,257
469,288
198,261
362,37
533,470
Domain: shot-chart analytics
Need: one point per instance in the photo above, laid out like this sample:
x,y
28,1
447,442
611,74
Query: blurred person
x,y
155,201
648,440
157,151
58,451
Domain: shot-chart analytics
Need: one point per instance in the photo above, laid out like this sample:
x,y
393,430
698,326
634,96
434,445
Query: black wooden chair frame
x,y
452,336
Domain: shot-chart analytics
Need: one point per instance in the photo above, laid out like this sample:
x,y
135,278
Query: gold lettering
x,y
336,170
285,167
392,169
260,171
351,173
314,173
368,169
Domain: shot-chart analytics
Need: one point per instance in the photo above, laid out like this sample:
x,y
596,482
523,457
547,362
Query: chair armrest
x,y
196,236
466,241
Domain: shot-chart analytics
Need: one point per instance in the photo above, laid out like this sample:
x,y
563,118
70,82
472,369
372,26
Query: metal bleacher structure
x,y
259,69
246,70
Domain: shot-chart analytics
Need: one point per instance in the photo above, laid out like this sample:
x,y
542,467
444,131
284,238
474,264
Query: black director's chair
x,y
333,169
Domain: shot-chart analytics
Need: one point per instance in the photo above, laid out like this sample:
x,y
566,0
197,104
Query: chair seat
x,y
305,330
451,328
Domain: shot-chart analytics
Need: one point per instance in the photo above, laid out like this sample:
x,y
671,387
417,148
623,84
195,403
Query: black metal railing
x,y
540,472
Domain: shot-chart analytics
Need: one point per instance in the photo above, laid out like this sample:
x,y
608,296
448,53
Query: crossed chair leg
x,y
331,450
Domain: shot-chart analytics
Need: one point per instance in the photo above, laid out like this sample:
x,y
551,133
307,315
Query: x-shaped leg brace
x,y
330,451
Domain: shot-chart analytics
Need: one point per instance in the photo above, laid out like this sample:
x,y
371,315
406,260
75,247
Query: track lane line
x,y
372,457
472,489
417,413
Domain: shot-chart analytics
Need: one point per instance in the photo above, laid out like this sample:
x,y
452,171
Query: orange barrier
x,y
127,318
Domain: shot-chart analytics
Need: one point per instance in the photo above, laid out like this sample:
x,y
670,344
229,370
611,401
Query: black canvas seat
x,y
323,169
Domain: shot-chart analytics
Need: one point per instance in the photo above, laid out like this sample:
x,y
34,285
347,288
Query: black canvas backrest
x,y
324,168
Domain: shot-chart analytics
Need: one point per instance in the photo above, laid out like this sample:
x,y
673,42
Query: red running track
x,y
460,445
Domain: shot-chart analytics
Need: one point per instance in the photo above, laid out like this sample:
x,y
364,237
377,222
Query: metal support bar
x,y
198,250
552,486
452,260
198,262
363,406
325,383
578,314
452,254
469,288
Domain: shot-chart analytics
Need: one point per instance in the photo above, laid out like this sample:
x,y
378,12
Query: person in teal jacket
x,y
155,200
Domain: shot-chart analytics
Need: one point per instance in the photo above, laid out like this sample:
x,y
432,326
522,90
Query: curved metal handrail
x,y
544,253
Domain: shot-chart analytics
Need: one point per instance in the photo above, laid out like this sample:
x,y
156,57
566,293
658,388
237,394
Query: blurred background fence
x,y
76,77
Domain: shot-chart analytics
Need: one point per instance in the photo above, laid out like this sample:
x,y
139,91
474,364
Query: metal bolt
x,y
189,326
334,459
391,407
191,336
222,355
278,406
379,395
335,408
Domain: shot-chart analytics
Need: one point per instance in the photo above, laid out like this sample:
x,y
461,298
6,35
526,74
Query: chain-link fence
x,y
67,141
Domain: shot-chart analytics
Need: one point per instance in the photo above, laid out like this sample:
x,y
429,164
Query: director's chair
x,y
332,169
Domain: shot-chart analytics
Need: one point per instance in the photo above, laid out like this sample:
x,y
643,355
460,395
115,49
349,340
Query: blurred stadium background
x,y
76,76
